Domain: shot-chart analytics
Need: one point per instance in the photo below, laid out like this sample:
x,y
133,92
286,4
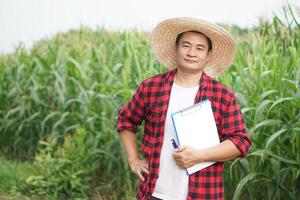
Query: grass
x,y
12,177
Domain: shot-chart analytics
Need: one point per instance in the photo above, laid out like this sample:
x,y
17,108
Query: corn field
x,y
77,81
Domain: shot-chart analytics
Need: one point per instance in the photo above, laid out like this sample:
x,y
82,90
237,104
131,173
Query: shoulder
x,y
220,91
225,90
156,79
218,87
152,84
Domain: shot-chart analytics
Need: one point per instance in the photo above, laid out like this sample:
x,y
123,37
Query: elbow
x,y
242,145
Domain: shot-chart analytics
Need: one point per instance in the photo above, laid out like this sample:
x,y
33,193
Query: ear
x,y
208,56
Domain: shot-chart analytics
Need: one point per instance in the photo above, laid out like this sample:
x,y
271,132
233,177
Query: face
x,y
192,52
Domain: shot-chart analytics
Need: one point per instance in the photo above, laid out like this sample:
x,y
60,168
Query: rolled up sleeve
x,y
233,127
131,115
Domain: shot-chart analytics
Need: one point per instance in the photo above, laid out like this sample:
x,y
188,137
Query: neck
x,y
186,79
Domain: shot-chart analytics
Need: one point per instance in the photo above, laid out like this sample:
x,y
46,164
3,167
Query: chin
x,y
192,69
190,66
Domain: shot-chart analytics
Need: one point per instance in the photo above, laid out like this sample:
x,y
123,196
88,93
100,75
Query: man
x,y
194,51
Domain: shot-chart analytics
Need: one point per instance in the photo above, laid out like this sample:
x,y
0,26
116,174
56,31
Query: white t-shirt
x,y
172,183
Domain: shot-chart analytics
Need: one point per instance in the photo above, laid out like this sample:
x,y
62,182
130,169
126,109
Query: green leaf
x,y
280,101
267,93
260,109
244,182
269,122
271,139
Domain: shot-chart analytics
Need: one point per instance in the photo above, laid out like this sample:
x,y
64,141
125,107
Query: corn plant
x,y
266,77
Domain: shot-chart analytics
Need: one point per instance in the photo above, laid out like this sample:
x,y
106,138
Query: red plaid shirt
x,y
150,103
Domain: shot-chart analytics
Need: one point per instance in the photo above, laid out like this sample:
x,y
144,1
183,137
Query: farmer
x,y
194,51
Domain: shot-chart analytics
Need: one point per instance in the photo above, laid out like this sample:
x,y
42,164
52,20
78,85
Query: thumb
x,y
180,149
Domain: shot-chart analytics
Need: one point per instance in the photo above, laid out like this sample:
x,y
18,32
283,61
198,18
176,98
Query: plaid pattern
x,y
150,103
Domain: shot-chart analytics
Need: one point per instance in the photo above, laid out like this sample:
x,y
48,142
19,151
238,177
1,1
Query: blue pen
x,y
174,144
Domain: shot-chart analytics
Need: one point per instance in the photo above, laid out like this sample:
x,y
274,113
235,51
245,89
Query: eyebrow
x,y
198,45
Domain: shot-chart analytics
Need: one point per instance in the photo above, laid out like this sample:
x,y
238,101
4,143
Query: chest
x,y
159,101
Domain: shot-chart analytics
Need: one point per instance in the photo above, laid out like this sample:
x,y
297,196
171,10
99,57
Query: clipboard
x,y
195,126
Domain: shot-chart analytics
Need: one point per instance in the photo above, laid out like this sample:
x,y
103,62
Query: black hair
x,y
179,36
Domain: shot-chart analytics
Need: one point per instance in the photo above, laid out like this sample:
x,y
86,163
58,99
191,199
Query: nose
x,y
191,52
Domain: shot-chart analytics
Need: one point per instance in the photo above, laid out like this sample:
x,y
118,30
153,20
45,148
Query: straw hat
x,y
164,48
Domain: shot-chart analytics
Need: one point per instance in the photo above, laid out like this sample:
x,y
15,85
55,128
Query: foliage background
x,y
59,104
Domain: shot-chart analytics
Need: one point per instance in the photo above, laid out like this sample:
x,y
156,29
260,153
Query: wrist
x,y
133,158
201,156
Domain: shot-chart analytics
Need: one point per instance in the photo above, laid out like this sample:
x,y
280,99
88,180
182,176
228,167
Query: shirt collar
x,y
203,80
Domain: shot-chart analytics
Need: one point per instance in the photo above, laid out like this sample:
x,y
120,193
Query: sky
x,y
27,21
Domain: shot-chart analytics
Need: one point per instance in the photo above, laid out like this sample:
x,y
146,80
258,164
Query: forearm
x,y
129,141
220,153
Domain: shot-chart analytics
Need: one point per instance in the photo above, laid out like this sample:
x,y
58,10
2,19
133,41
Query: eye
x,y
185,45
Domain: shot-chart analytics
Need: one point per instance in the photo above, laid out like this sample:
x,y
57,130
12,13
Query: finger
x,y
138,172
178,159
183,148
175,155
145,170
181,166
145,164
190,164
180,149
178,162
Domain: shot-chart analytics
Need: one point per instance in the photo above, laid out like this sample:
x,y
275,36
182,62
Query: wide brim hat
x,y
164,47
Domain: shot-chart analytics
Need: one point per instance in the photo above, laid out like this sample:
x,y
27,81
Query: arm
x,y
129,141
220,153
232,132
130,117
